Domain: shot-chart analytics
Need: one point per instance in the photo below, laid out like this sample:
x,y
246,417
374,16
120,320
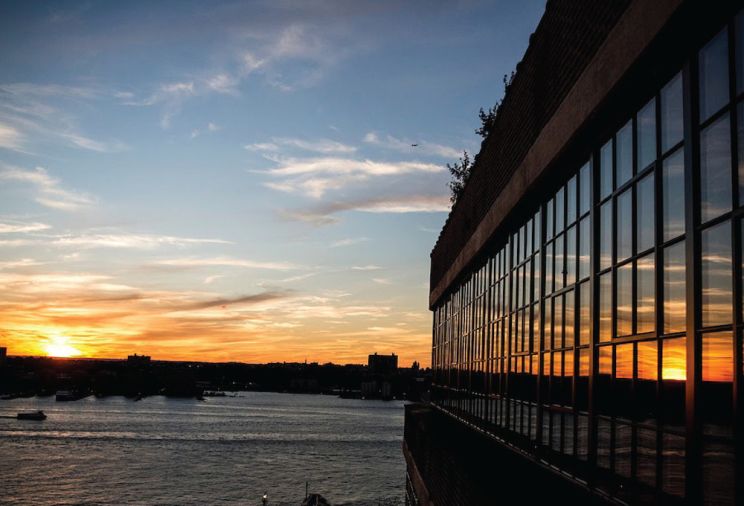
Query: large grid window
x,y
583,358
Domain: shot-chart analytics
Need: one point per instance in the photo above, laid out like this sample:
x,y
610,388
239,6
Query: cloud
x,y
28,114
223,83
241,300
227,262
370,267
314,177
348,242
382,281
407,146
323,146
325,215
10,138
19,228
49,193
129,241
211,127
14,264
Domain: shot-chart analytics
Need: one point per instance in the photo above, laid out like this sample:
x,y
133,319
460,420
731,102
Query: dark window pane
x,y
605,170
538,237
624,298
605,235
558,322
673,186
716,275
571,256
646,295
584,313
560,268
585,188
715,170
624,154
718,358
569,303
646,447
605,307
672,128
673,464
714,75
549,268
674,288
549,219
646,125
571,201
559,211
739,52
536,278
740,135
645,213
624,225
584,247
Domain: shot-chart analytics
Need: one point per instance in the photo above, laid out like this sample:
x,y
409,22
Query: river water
x,y
225,450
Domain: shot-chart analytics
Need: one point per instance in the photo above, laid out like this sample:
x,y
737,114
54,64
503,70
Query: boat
x,y
315,500
31,415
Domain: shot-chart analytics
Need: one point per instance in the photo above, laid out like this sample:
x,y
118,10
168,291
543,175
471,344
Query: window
x,y
646,132
715,170
673,197
713,61
716,275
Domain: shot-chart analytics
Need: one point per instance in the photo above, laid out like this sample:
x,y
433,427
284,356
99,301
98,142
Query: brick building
x,y
587,287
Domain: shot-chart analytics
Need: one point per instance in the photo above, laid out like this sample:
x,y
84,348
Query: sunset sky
x,y
235,180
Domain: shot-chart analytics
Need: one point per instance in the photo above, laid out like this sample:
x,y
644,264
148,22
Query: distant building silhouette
x,y
382,364
586,288
138,360
3,354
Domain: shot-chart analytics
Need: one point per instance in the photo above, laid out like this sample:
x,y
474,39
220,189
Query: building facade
x,y
587,289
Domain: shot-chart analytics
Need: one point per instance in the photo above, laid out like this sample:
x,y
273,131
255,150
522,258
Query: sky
x,y
235,181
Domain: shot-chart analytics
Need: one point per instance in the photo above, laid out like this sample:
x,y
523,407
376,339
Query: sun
x,y
58,347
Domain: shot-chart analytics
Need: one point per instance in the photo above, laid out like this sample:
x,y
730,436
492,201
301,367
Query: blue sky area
x,y
235,180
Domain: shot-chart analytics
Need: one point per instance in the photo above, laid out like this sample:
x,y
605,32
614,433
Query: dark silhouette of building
x,y
138,360
382,364
587,287
3,354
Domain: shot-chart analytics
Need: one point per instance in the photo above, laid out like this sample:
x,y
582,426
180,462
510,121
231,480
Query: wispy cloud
x,y
382,281
129,241
10,138
348,242
325,215
32,111
227,262
314,177
324,146
15,227
48,190
370,267
419,147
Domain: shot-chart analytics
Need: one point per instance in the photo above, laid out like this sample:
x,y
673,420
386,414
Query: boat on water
x,y
31,415
315,500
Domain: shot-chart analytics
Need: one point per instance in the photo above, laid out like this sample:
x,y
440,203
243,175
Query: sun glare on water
x,y
58,347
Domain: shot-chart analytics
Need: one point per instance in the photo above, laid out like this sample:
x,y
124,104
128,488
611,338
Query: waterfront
x,y
226,450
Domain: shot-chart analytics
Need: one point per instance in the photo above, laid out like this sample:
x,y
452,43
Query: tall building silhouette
x,y
587,287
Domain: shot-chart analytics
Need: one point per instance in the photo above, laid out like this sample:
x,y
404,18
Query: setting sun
x,y
58,347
